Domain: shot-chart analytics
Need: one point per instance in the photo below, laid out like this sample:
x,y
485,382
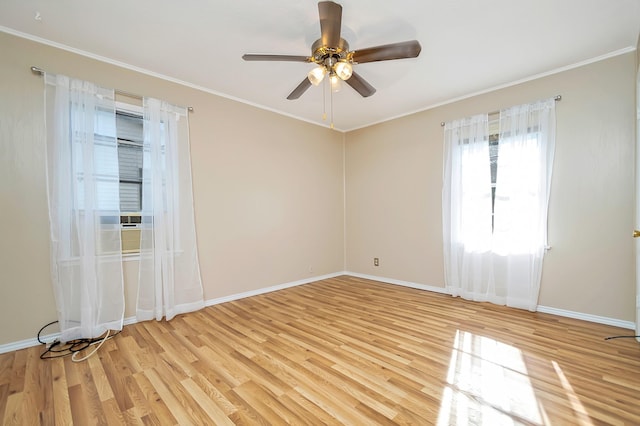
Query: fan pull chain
x,y
324,101
331,94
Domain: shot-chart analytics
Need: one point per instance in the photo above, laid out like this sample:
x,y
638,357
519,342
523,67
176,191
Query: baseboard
x,y
27,343
587,317
545,309
399,282
256,292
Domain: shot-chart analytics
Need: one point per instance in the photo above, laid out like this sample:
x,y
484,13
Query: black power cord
x,y
42,329
621,337
56,349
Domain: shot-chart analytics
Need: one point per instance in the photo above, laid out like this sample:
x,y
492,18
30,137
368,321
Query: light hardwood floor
x,y
339,351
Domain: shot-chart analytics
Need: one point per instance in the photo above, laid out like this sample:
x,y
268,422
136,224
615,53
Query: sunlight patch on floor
x,y
582,418
487,384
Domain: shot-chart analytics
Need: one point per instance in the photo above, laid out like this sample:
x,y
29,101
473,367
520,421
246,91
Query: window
x,y
86,152
129,129
130,138
495,202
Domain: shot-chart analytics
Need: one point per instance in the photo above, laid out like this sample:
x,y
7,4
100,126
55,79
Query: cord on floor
x,y
57,349
621,337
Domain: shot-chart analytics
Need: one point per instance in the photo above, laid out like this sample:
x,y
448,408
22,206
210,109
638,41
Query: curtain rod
x,y
555,98
40,71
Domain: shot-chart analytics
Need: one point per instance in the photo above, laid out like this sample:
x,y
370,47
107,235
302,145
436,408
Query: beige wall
x,y
394,181
268,190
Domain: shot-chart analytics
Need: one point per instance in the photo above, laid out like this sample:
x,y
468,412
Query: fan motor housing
x,y
320,53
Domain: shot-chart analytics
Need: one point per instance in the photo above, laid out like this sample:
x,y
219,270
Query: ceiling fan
x,y
332,56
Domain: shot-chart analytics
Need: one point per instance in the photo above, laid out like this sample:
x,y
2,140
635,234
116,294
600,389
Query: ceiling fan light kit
x,y
344,70
331,55
316,75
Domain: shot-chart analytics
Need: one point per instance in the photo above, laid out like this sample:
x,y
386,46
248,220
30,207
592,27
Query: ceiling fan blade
x,y
330,23
260,57
361,85
405,49
298,91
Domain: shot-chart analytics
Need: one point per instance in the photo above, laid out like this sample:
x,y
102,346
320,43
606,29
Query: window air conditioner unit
x,y
130,232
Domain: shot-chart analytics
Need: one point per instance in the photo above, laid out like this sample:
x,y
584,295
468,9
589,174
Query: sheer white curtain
x,y
499,262
83,201
466,208
169,277
525,162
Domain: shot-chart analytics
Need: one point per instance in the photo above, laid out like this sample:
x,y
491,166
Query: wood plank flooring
x,y
338,351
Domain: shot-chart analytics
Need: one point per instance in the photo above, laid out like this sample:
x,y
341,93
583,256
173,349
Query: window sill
x,y
135,255
126,257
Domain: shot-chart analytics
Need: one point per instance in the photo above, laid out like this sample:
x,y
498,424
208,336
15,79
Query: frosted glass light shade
x,y
343,70
336,83
316,75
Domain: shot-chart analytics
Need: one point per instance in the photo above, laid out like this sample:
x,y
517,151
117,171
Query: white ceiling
x,y
468,46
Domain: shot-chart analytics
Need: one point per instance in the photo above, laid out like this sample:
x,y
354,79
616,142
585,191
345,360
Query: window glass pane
x,y
493,157
129,127
130,162
130,196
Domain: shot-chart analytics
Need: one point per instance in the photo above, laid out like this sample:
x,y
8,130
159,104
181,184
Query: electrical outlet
x,y
376,261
